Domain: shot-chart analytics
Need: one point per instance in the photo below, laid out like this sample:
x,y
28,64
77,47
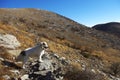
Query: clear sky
x,y
87,12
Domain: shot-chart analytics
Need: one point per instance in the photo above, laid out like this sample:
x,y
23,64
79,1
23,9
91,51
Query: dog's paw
x,y
41,60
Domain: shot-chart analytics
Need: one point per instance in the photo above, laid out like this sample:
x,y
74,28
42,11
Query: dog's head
x,y
44,45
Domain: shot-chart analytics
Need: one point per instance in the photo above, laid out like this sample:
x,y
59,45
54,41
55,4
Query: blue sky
x,y
87,12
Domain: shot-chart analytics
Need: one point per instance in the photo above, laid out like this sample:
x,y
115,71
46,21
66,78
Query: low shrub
x,y
115,69
76,74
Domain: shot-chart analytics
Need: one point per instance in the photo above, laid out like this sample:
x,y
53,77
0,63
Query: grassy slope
x,y
64,36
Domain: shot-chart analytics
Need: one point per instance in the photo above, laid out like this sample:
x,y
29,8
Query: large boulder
x,y
9,41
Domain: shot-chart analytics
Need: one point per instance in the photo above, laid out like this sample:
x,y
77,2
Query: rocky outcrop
x,y
9,41
50,69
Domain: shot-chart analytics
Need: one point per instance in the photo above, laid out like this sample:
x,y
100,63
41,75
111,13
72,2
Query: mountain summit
x,y
112,28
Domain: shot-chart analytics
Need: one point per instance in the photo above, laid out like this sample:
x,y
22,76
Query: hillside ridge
x,y
87,50
111,28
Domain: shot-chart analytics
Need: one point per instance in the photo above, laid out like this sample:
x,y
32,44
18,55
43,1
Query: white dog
x,y
36,51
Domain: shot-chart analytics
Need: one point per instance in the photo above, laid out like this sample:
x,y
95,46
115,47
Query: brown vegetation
x,y
64,36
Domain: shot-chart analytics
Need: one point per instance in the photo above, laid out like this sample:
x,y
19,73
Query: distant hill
x,y
112,28
86,49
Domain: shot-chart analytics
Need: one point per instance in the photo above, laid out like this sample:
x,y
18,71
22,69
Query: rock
x,y
15,72
45,65
6,77
64,61
25,77
93,70
50,69
113,77
9,41
55,56
1,59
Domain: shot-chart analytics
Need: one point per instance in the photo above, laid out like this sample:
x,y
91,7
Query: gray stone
x,y
25,77
9,41
6,77
1,59
46,70
15,71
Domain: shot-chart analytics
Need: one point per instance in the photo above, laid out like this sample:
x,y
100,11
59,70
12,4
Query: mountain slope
x,y
82,46
38,21
112,28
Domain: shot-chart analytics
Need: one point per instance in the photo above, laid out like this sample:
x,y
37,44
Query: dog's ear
x,y
44,43
23,53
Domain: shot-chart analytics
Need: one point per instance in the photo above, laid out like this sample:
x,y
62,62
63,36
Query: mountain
x,y
89,52
112,28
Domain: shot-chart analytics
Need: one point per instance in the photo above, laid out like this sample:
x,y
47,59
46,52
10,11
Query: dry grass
x,y
6,71
62,50
25,38
7,64
4,54
64,36
75,73
110,55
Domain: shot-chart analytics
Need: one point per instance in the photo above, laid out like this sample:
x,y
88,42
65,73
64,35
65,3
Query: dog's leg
x,y
25,60
41,54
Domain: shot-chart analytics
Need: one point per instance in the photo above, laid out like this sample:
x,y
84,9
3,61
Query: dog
x,y
36,51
